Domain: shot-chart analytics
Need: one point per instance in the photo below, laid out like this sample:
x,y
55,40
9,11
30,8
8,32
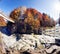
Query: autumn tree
x,y
44,20
2,21
33,18
14,15
47,21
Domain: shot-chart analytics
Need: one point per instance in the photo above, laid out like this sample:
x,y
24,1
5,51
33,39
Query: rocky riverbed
x,y
29,44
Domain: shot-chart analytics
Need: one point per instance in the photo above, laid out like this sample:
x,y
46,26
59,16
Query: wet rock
x,y
2,47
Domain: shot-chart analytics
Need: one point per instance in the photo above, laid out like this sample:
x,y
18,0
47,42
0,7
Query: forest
x,y
29,20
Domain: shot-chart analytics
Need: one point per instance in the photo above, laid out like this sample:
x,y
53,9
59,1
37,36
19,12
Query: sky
x,y
50,7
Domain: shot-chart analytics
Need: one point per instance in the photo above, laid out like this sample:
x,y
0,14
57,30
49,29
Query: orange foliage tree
x,y
47,21
15,14
33,17
2,21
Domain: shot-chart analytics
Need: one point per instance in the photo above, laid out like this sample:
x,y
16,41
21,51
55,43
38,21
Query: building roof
x,y
5,17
